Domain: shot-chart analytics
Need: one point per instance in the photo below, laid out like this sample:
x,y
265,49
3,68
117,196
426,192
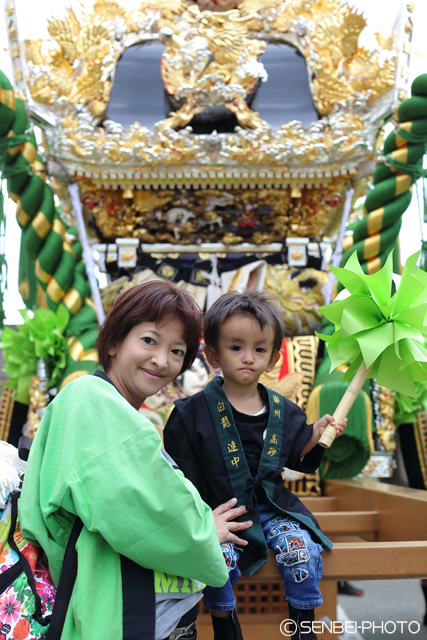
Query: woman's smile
x,y
156,375
151,356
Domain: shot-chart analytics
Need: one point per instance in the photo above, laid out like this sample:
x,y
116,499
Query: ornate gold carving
x,y
304,350
212,215
37,394
309,485
385,40
420,434
408,26
332,51
338,36
212,62
297,255
6,407
287,386
127,256
299,295
211,58
383,400
300,353
292,145
86,48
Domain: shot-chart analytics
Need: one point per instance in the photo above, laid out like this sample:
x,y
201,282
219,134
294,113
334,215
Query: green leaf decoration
x,y
406,408
38,337
384,329
63,317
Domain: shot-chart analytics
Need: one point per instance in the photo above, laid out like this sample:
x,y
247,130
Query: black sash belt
x,y
252,484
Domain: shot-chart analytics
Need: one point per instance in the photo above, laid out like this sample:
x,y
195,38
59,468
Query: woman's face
x,y
195,378
148,359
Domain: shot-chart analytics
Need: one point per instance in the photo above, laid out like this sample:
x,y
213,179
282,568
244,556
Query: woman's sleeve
x,y
128,492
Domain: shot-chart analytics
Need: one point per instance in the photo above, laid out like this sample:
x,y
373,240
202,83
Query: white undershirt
x,y
261,411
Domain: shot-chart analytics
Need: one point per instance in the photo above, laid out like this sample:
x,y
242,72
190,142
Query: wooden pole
x,y
347,401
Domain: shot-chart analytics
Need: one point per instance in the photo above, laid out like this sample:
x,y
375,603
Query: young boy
x,y
234,438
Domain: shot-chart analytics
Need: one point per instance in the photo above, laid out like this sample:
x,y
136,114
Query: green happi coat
x,y
96,457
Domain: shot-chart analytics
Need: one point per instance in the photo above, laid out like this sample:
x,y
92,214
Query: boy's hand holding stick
x,y
382,335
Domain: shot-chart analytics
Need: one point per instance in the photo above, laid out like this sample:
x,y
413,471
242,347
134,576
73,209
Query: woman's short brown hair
x,y
155,301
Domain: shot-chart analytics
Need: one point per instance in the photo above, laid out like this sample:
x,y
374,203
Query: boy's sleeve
x,y
177,443
297,422
311,461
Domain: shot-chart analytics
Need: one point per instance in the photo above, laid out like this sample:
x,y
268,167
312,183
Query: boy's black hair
x,y
258,304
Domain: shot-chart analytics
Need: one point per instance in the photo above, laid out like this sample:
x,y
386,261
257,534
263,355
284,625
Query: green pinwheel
x,y
380,333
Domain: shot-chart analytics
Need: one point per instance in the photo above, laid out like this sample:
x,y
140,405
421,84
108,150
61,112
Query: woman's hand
x,y
224,528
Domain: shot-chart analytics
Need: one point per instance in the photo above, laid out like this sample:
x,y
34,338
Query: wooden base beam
x,y
361,561
319,503
348,522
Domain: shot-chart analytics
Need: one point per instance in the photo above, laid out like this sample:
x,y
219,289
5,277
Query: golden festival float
x,y
224,145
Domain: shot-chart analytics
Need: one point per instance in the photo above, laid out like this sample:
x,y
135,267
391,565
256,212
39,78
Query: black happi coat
x,y
190,437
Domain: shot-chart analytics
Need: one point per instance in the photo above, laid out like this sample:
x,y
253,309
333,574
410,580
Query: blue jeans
x,y
298,559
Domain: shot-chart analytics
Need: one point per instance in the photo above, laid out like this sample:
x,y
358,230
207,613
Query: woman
x,y
96,457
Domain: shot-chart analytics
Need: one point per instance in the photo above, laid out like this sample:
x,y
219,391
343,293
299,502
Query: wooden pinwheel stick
x,y
347,401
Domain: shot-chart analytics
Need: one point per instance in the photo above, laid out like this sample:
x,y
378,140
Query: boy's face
x,y
244,350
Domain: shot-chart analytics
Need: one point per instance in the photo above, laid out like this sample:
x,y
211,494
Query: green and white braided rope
x,y
54,248
375,235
